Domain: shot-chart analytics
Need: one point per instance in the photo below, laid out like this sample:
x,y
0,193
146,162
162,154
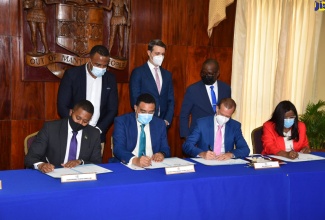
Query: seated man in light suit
x,y
68,142
131,144
214,137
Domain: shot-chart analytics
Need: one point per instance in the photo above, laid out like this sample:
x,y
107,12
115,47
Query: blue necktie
x,y
142,145
73,146
213,99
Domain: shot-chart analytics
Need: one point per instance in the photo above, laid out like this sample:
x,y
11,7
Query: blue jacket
x,y
203,136
142,81
196,103
125,136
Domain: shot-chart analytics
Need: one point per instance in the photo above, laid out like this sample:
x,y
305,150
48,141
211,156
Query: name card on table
x,y
265,165
0,184
78,177
180,169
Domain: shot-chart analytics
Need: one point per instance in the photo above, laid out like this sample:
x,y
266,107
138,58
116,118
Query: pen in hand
x,y
294,151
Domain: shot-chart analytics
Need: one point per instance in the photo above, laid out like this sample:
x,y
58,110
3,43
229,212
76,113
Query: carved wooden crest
x,y
72,28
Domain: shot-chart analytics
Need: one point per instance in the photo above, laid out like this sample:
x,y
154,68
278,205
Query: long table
x,y
293,191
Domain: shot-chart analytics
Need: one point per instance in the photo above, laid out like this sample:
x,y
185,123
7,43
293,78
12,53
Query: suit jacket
x,y
51,143
125,136
203,136
73,89
196,103
142,81
273,143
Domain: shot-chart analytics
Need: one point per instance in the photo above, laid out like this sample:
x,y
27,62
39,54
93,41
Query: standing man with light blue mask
x,y
153,79
93,82
215,137
139,137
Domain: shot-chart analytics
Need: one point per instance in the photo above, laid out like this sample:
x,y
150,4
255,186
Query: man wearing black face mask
x,y
201,98
68,142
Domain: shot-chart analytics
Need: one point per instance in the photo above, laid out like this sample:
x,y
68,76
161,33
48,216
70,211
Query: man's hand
x,y
45,167
158,157
225,156
143,161
208,155
71,164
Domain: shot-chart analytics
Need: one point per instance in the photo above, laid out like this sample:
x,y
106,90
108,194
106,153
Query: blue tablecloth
x,y
293,191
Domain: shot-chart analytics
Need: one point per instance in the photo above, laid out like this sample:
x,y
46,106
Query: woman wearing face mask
x,y
283,134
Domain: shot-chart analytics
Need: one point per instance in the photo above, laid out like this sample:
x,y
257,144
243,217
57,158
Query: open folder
x,y
87,168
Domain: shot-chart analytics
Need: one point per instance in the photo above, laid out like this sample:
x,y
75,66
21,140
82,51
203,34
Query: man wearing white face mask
x,y
140,137
93,82
215,137
153,79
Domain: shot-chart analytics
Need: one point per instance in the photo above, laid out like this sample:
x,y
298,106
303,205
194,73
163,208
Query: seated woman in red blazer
x,y
283,134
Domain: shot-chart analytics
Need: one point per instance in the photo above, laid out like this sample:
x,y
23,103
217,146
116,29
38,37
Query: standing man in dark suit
x,y
68,142
153,79
93,82
140,137
214,137
201,98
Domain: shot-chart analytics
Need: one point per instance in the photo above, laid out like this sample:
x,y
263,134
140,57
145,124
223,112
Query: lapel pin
x,y
86,137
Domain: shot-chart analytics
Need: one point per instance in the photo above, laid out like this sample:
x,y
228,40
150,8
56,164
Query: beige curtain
x,y
274,57
217,13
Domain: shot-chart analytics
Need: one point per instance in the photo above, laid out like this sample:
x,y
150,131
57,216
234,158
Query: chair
x,y
256,136
28,141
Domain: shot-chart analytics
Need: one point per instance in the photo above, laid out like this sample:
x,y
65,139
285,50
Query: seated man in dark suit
x,y
201,98
214,137
68,142
140,137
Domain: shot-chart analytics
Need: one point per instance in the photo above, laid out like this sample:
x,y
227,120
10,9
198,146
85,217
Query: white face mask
x,y
222,119
157,60
98,72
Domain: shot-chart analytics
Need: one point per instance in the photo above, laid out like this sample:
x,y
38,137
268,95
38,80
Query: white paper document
x,y
219,162
81,169
301,158
167,162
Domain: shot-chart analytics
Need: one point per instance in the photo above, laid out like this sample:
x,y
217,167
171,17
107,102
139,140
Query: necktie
x,y
73,146
142,145
157,79
213,99
218,141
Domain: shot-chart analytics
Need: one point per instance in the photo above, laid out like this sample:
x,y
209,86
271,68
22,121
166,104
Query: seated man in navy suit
x,y
68,142
214,137
201,98
139,137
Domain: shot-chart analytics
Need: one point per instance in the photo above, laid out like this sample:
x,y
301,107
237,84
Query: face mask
x,y
144,118
208,80
289,122
222,120
98,72
157,60
74,125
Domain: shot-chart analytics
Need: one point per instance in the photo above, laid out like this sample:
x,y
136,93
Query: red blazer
x,y
273,143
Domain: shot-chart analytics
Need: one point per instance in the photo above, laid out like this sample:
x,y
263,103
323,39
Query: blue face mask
x,y
98,72
144,118
289,122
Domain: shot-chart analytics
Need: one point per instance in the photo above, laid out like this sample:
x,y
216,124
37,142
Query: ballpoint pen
x,y
294,151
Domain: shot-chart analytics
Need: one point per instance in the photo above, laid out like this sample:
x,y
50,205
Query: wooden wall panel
x,y
20,129
4,15
174,29
5,144
146,20
5,69
51,94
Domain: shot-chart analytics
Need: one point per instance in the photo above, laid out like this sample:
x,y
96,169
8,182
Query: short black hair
x,y
229,103
100,49
211,61
85,105
146,98
278,119
156,42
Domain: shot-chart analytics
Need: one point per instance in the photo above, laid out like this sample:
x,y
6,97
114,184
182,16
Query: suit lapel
x,y
84,141
211,132
151,79
83,82
63,139
133,135
105,89
204,99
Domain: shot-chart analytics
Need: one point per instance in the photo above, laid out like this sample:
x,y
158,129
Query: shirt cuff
x,y
99,129
130,161
36,165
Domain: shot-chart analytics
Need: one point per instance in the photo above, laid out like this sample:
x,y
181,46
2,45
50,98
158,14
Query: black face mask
x,y
74,125
208,80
